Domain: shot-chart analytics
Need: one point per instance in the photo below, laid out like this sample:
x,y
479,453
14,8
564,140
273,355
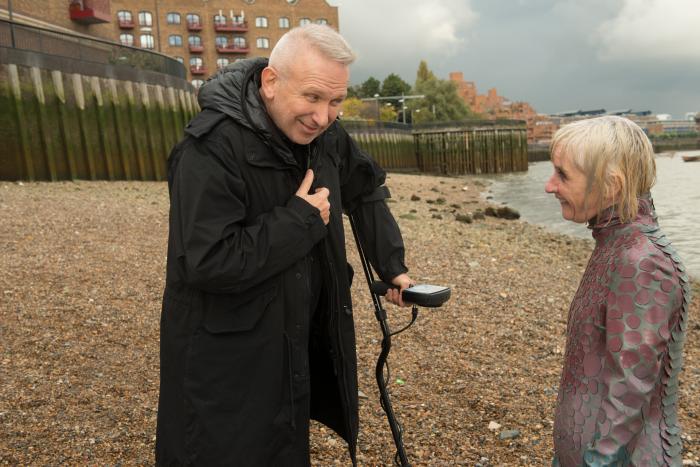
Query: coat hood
x,y
235,91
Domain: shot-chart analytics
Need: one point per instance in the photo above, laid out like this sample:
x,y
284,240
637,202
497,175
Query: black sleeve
x,y
363,193
216,250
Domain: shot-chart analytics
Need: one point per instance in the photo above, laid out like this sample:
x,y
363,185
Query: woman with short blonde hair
x,y
618,395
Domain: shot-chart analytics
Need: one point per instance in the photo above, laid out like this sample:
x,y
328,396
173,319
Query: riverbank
x,y
81,278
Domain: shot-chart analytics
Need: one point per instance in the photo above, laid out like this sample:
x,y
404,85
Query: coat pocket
x,y
229,314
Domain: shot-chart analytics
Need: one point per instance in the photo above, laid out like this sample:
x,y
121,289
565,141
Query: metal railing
x,y
62,44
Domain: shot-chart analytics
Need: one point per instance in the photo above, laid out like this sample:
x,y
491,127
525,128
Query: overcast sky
x,y
558,55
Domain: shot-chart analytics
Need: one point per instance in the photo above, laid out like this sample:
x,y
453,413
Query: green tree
x,y
352,108
370,87
441,102
354,90
424,73
387,113
393,85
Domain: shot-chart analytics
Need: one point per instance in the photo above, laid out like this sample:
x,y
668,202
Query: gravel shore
x,y
473,382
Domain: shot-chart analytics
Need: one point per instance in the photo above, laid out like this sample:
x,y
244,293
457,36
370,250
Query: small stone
x,y
466,218
505,212
473,264
465,188
509,434
437,216
440,200
361,395
479,215
415,198
493,426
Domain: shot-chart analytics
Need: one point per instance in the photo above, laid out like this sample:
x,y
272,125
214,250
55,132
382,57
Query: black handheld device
x,y
425,295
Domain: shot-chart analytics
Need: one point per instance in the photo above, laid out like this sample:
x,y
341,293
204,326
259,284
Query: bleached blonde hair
x,y
320,37
613,153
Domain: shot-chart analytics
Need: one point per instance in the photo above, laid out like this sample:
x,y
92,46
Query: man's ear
x,y
268,82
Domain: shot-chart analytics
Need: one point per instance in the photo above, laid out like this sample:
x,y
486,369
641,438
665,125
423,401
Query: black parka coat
x,y
241,357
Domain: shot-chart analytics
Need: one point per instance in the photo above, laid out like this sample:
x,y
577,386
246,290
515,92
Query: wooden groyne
x,y
452,148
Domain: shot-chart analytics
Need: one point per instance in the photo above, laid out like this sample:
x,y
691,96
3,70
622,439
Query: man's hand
x,y
394,295
319,199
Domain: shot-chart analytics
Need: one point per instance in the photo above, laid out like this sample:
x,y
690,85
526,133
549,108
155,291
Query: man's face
x,y
304,98
568,185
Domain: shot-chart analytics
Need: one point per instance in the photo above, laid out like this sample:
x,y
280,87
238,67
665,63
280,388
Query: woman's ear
x,y
615,186
268,83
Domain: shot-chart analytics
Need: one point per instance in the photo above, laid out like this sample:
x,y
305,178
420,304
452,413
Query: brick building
x,y
492,106
202,34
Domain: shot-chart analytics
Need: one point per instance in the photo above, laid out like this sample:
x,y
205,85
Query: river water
x,y
676,197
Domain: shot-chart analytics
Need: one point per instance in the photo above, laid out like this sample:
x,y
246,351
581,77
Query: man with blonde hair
x,y
257,332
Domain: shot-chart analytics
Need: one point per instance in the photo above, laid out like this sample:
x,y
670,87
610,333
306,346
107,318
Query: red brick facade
x,y
493,106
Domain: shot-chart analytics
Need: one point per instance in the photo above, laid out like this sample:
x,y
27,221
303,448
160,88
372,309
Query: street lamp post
x,y
402,98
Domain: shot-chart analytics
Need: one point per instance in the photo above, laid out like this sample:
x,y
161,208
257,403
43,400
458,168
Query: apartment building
x,y
208,35
204,35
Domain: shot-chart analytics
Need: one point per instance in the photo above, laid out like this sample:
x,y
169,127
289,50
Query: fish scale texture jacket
x,y
240,355
618,396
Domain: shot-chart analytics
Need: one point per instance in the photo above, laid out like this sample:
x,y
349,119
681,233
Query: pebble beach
x,y
474,382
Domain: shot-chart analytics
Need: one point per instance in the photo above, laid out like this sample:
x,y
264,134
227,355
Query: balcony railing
x,y
126,24
198,69
89,11
192,26
232,49
231,26
198,48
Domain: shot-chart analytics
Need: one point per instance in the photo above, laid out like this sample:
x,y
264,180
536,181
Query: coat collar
x,y
609,218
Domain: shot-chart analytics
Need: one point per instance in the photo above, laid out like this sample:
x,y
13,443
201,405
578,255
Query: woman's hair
x,y
612,152
322,38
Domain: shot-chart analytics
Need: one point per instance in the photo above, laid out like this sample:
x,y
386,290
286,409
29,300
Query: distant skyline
x,y
558,55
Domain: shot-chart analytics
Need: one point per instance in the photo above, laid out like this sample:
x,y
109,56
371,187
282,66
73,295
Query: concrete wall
x,y
56,125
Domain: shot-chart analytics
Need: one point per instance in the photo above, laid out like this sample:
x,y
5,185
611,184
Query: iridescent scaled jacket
x,y
619,387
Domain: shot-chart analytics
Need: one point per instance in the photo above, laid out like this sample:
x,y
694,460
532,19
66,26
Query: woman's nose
x,y
550,186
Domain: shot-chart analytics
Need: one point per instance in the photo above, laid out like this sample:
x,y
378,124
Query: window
x,y
192,18
220,19
196,62
175,40
197,83
304,21
221,41
221,62
284,22
173,18
239,19
194,40
126,39
145,19
124,16
261,22
239,42
322,21
180,59
263,43
147,41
